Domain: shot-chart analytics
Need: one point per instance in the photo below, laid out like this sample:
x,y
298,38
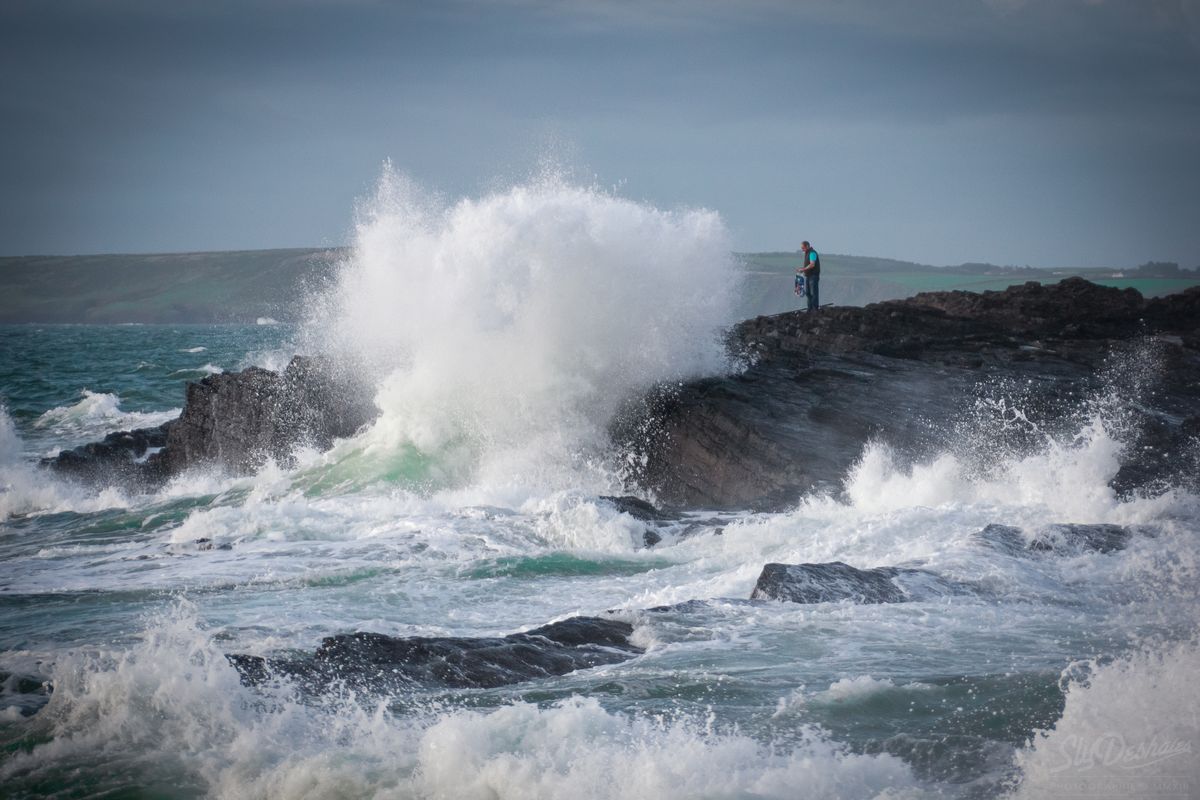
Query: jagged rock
x,y
819,386
239,420
235,421
1044,308
119,457
379,663
835,581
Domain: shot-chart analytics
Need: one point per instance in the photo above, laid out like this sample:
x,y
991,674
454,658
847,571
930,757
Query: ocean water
x,y
502,333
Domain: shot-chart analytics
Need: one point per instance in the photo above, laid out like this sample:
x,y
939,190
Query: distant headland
x,y
242,286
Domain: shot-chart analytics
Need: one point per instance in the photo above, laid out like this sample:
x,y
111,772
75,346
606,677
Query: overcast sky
x,y
1041,132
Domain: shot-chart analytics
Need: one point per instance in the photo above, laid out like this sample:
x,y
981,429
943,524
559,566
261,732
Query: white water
x,y
175,699
25,490
1131,728
509,328
172,692
504,332
97,414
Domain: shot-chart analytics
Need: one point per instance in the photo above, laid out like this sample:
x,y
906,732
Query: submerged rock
x,y
664,524
637,508
376,662
28,694
835,582
1072,539
642,510
1005,538
1062,539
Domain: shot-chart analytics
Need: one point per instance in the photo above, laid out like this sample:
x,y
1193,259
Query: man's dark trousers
x,y
811,284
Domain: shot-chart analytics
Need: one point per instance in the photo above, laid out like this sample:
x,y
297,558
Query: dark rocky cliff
x,y
819,386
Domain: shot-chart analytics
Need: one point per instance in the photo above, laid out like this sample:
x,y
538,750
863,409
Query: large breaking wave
x,y
505,331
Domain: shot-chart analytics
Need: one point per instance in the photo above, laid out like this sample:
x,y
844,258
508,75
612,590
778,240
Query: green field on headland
x,y
243,286
232,286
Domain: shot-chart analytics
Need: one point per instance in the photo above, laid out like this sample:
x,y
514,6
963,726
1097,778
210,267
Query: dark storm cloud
x,y
138,125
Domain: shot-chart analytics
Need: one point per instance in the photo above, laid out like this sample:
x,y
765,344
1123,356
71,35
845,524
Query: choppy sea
x,y
501,334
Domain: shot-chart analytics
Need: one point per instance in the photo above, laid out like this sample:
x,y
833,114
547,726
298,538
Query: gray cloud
x,y
934,129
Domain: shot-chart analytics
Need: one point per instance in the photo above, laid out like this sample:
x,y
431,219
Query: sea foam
x,y
97,414
1131,727
506,330
174,693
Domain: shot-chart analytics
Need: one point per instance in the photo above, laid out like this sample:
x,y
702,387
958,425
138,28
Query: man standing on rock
x,y
812,275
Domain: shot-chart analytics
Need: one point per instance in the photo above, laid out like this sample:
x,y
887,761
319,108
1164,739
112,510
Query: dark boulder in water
x,y
1005,538
835,582
663,523
1062,539
827,583
1073,539
637,508
234,421
379,663
817,387
240,420
641,510
122,457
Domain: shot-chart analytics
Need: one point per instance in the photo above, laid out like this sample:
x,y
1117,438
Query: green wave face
x,y
404,467
562,565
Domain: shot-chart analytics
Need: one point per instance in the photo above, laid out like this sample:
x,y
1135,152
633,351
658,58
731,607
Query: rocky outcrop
x,y
1074,539
815,389
378,663
235,422
660,524
121,457
1060,539
240,420
818,386
836,582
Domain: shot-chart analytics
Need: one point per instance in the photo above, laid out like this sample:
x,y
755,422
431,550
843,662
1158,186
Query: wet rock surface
x,y
1059,539
233,421
836,582
819,386
379,663
121,457
1073,539
239,420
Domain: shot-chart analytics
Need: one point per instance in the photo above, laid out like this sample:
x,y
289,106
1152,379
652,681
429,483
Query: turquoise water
x,y
147,367
112,599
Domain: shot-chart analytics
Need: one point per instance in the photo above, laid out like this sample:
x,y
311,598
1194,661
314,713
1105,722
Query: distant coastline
x,y
244,286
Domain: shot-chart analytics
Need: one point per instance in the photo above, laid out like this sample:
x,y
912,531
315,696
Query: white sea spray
x,y
507,330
